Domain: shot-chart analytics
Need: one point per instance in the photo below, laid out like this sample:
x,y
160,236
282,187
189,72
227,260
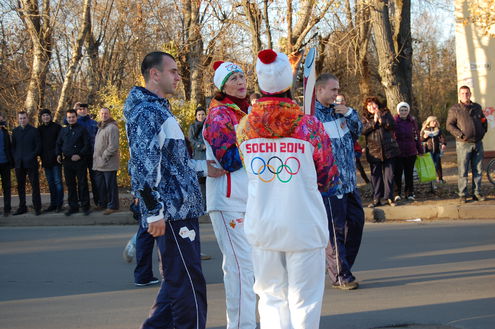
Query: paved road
x,y
411,273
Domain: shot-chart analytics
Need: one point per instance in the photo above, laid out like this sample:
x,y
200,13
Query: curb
x,y
421,212
378,214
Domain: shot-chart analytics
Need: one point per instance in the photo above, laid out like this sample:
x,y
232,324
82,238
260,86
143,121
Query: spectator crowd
x,y
82,147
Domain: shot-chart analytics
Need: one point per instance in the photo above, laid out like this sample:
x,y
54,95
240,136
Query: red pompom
x,y
267,56
217,64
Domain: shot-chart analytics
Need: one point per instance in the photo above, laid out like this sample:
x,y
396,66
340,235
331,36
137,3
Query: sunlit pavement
x,y
440,272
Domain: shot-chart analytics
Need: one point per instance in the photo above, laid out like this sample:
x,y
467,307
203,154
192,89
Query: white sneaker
x,y
129,251
411,198
397,198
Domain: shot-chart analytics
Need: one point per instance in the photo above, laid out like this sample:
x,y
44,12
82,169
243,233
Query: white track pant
x,y
290,286
237,268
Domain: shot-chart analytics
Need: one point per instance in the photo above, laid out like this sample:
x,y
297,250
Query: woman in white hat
x,y
407,136
226,196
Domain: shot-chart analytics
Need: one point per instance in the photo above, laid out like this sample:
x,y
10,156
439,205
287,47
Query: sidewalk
x,y
405,211
430,210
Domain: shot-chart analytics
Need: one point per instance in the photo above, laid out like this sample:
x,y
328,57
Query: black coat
x,y
49,134
73,140
380,140
26,146
7,146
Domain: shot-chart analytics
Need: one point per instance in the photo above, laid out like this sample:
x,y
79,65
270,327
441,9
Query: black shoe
x,y
86,212
59,209
149,283
20,211
71,211
479,197
462,199
49,209
375,203
37,212
6,213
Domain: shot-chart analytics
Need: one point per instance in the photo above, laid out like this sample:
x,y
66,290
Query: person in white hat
x,y
227,195
288,159
409,140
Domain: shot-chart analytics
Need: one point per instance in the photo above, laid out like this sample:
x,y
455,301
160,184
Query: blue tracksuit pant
x,y
181,301
144,256
345,222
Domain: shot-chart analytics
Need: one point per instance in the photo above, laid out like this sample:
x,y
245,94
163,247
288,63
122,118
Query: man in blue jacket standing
x,y
164,179
91,127
343,204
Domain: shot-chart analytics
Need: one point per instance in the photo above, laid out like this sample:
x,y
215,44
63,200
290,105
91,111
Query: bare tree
x,y
93,42
193,51
76,57
308,17
40,29
394,48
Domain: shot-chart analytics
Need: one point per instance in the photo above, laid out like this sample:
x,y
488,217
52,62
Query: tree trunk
x,y
362,25
403,48
394,81
76,57
192,60
40,31
254,17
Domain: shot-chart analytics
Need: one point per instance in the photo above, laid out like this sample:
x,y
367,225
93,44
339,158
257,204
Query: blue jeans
x,y
107,189
469,156
54,180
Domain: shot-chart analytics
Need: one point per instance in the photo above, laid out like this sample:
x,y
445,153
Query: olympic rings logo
x,y
280,170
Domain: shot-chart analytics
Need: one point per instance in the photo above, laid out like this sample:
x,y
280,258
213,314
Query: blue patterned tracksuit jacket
x,y
163,176
343,130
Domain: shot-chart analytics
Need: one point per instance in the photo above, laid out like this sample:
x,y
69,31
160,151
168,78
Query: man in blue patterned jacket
x,y
164,178
343,204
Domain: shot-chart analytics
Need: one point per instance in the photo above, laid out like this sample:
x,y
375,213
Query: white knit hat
x,y
403,104
274,72
223,70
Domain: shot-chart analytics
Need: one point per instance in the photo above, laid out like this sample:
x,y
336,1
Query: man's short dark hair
x,y
465,87
83,105
324,78
153,59
71,111
21,112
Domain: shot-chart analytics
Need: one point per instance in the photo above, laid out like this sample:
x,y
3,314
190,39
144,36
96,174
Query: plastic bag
x,y
425,168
